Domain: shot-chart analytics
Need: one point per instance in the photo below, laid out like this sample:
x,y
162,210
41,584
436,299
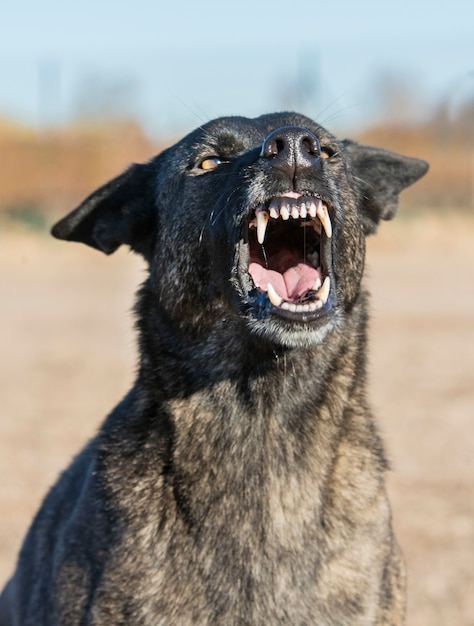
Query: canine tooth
x,y
325,219
274,298
323,293
262,221
284,212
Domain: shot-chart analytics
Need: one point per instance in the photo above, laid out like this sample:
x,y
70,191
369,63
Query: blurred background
x,y
87,88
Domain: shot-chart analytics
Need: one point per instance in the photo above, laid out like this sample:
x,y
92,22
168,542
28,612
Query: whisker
x,y
203,120
337,113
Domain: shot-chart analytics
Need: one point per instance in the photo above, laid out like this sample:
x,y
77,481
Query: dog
x,y
241,480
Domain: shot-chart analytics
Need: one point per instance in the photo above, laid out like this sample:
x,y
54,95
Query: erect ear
x,y
119,212
382,175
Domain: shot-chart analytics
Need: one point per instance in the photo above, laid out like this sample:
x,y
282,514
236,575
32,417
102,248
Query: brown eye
x,y
210,163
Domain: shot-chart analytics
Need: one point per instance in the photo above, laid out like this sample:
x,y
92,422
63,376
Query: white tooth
x,y
262,220
295,212
274,298
314,306
325,219
317,284
285,214
313,258
288,306
323,293
303,212
312,209
274,209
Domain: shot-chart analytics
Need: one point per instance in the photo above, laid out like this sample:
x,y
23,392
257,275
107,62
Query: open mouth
x,y
289,256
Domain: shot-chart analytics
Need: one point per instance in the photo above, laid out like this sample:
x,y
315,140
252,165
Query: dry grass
x,y
68,357
50,171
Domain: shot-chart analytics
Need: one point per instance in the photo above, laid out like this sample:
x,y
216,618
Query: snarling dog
x,y
241,480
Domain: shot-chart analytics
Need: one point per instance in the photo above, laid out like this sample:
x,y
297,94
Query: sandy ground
x,y
68,356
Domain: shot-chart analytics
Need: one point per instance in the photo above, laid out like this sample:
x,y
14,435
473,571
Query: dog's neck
x,y
243,452
231,402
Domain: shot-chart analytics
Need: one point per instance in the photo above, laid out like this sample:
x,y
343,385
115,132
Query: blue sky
x,y
173,64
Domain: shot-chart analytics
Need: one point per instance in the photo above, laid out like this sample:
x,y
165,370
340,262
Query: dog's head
x,y
258,219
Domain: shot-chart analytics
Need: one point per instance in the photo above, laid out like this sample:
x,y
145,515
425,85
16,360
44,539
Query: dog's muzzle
x,y
289,234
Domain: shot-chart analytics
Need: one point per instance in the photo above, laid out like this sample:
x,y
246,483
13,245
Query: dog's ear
x,y
119,212
381,176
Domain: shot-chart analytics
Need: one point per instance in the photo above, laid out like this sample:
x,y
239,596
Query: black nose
x,y
291,147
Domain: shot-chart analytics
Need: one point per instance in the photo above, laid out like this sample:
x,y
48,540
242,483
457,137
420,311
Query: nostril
x,y
310,145
280,144
272,147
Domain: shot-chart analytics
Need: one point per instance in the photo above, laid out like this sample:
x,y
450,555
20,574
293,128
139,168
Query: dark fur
x,y
241,480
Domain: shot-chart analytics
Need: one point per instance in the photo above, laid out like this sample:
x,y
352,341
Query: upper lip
x,y
290,270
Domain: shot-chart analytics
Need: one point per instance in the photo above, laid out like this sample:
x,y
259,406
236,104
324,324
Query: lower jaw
x,y
291,331
311,305
304,313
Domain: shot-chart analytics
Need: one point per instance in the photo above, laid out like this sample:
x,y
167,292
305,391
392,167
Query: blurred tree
x,y
301,90
49,93
398,97
465,121
102,96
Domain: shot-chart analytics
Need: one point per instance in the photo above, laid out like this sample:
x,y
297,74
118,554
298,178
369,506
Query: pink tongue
x,y
290,285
